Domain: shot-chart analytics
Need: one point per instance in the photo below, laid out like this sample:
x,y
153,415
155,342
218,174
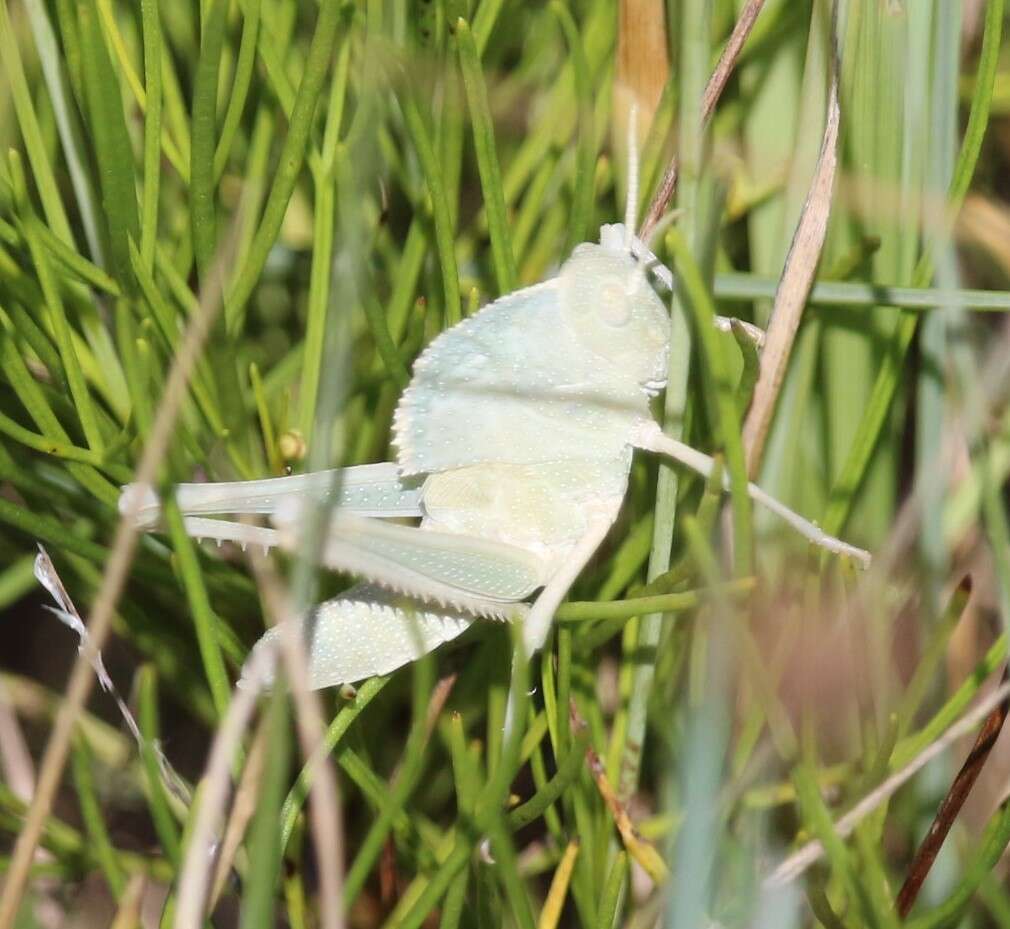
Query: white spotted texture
x,y
368,631
514,385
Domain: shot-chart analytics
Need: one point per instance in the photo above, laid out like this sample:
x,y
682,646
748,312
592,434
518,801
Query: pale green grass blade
x,y
487,159
885,385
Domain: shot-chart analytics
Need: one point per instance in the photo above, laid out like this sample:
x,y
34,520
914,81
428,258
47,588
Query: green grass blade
x,y
204,620
153,50
848,482
504,262
31,133
113,151
147,717
265,852
722,389
203,205
71,136
336,731
444,231
585,150
94,821
240,86
292,158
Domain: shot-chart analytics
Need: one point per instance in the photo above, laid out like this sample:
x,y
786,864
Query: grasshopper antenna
x,y
631,205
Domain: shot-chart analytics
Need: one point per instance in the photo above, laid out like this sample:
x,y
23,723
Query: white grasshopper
x,y
514,442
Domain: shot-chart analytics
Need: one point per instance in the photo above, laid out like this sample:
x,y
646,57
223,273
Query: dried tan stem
x,y
15,759
797,863
197,867
643,65
130,904
243,808
713,91
947,812
324,801
797,278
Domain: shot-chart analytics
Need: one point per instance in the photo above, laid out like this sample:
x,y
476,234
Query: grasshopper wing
x,y
476,575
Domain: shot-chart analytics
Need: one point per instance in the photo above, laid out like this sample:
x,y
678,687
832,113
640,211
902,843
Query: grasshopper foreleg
x,y
653,439
538,622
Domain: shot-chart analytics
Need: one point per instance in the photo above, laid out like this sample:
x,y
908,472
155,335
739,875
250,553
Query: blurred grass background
x,y
363,176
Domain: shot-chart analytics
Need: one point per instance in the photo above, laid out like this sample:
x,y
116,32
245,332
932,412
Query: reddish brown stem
x,y
951,805
713,91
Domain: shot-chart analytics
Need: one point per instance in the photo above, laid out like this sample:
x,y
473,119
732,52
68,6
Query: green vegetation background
x,y
354,178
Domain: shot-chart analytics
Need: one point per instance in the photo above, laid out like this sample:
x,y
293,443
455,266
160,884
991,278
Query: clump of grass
x,y
226,231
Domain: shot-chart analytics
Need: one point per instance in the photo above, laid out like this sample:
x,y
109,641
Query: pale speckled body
x,y
519,421
519,425
514,442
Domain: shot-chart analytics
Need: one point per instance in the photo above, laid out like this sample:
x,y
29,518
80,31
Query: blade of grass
x,y
488,806
842,294
585,149
71,136
487,159
336,731
722,389
325,180
441,213
94,822
265,852
204,620
31,396
202,186
113,151
75,263
797,277
818,819
410,770
147,716
83,401
31,133
848,481
292,157
151,23
240,85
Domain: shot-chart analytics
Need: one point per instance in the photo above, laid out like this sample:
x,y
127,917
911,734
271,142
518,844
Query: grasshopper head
x,y
608,304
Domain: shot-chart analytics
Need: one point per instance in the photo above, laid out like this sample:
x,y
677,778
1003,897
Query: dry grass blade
x,y
242,810
797,863
952,803
727,60
197,867
324,808
713,90
128,914
797,279
642,57
82,678
550,915
49,578
15,759
642,851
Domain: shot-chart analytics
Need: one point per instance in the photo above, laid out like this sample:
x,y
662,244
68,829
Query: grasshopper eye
x,y
615,305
